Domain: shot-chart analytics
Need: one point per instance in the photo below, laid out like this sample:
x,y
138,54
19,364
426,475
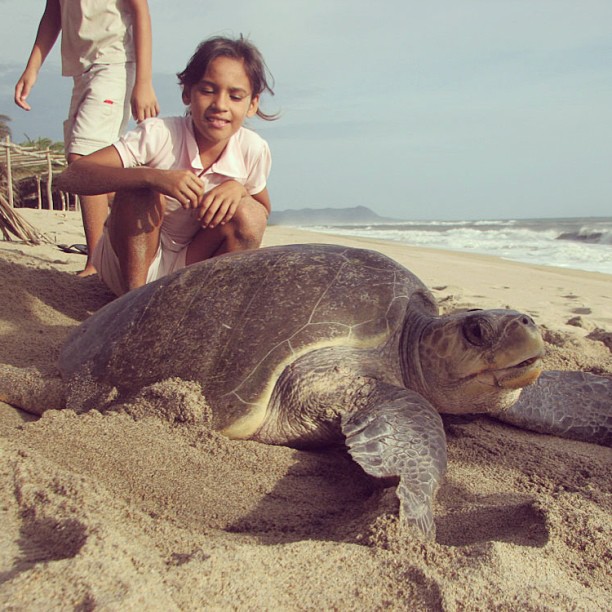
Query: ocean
x,y
577,243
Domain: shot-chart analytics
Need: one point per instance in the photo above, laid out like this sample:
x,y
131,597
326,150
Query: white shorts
x,y
99,108
167,259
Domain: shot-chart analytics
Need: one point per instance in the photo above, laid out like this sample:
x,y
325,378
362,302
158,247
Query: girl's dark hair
x,y
240,49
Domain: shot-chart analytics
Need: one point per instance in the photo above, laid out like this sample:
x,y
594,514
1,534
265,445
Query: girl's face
x,y
220,102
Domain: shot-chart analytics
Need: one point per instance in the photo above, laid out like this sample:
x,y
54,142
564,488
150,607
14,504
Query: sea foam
x,y
582,244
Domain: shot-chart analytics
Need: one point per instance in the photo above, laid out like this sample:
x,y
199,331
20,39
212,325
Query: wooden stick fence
x,y
22,158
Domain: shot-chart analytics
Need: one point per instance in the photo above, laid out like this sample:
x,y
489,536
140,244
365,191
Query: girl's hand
x,y
220,204
182,185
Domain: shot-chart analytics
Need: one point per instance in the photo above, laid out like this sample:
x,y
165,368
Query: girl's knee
x,y
139,198
249,223
143,207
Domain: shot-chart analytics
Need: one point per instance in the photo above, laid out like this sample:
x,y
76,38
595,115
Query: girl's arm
x,y
144,101
48,31
103,172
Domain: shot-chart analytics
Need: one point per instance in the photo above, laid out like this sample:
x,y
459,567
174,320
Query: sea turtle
x,y
307,345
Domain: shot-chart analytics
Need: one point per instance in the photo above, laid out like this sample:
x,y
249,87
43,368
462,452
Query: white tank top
x,y
95,32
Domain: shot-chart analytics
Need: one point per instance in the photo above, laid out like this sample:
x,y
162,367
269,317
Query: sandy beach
x,y
100,511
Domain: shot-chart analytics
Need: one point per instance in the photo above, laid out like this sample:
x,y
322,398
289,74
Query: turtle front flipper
x,y
574,405
398,433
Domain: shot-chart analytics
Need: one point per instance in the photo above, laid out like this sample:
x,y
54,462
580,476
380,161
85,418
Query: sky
x,y
441,109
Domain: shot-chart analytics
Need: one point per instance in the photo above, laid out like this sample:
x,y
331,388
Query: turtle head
x,y
474,361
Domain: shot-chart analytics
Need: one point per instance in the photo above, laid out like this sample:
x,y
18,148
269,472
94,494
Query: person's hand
x,y
182,185
23,89
144,102
220,204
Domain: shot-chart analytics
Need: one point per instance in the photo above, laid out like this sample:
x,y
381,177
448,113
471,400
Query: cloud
x,y
460,108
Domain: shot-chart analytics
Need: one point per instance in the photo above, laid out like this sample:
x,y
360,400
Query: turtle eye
x,y
477,331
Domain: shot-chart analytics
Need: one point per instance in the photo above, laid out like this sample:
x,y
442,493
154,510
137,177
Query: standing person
x,y
106,49
191,187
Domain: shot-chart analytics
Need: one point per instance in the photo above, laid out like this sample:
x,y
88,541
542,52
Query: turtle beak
x,y
519,362
520,375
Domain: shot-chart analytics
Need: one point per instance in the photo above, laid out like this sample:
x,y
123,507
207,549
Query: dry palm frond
x,y
11,222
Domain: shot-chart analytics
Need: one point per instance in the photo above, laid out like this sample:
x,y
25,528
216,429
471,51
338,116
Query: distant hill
x,y
356,215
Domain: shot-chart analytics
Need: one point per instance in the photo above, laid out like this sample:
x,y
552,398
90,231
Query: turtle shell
x,y
232,323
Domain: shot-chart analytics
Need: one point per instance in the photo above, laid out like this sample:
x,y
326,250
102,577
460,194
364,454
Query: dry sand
x,y
101,511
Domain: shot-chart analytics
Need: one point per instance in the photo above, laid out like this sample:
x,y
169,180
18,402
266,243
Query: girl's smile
x,y
217,123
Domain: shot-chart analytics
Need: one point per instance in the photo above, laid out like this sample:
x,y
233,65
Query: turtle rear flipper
x,y
398,433
574,405
28,389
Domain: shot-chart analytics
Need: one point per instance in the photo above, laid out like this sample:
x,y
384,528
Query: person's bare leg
x,y
134,229
94,211
244,232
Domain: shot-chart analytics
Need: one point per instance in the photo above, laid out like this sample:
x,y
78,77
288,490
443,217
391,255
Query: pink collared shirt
x,y
169,143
